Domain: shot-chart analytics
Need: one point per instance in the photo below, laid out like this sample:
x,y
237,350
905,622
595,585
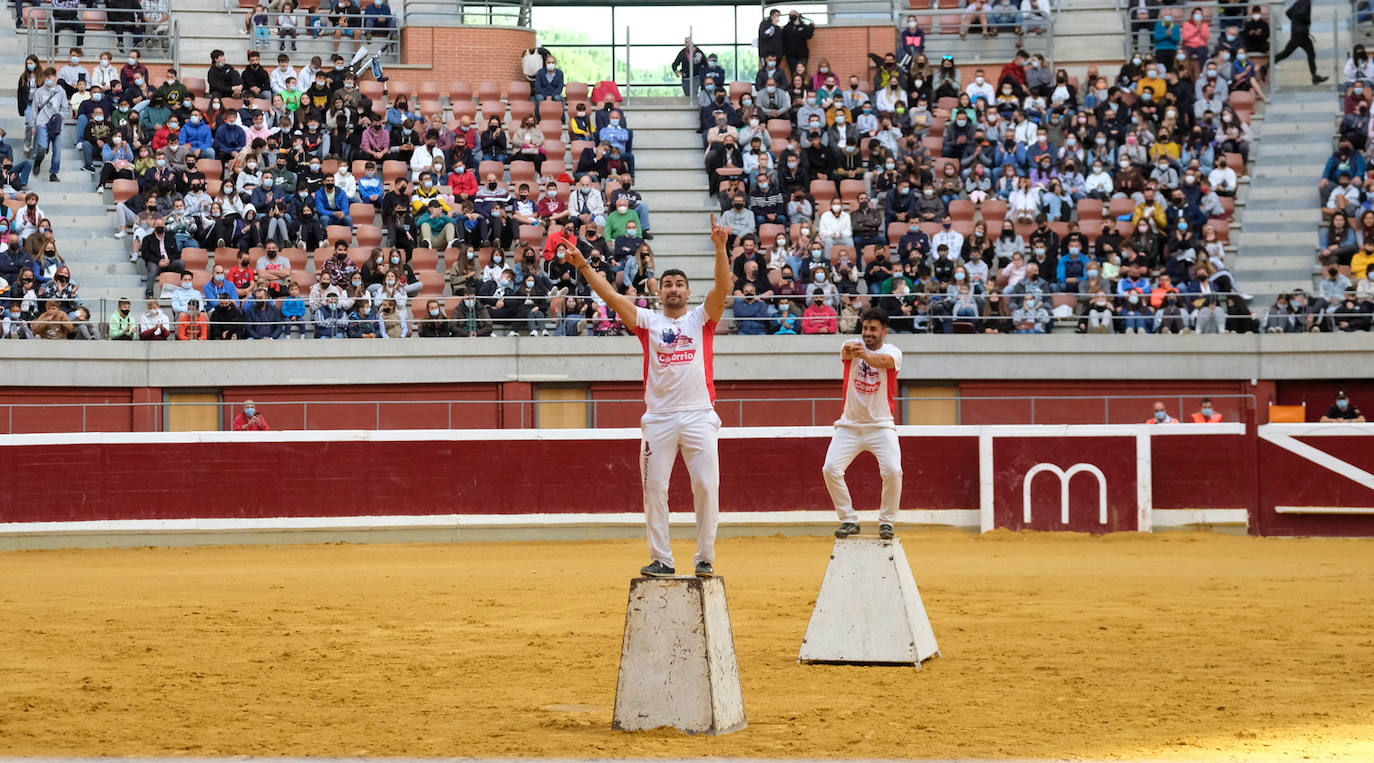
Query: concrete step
x,y
659,138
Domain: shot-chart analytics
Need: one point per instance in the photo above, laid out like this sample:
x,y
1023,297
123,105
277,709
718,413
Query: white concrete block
x,y
869,610
677,663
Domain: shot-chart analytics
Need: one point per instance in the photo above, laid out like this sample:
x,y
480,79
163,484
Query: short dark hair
x,y
674,272
874,314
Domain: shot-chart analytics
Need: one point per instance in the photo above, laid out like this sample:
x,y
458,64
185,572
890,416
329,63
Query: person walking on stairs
x,y
1300,14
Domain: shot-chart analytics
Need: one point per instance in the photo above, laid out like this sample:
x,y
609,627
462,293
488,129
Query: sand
x,y
1179,646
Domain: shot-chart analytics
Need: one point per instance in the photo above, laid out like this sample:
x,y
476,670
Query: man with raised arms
x,y
679,399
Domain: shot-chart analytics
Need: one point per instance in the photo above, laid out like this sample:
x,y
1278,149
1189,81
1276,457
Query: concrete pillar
x,y
677,664
869,611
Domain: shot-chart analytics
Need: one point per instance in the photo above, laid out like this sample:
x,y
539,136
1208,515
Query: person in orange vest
x,y
1208,414
1161,416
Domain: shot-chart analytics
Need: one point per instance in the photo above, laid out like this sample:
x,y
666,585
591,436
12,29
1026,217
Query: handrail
x,y
822,410
388,52
489,13
41,36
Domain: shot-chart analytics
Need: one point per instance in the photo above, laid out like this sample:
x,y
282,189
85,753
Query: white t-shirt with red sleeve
x,y
679,373
870,394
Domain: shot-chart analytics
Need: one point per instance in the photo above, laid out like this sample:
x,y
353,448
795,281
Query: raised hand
x,y
719,233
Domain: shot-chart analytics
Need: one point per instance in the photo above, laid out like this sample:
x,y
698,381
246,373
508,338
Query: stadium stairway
x,y
668,171
82,221
1281,212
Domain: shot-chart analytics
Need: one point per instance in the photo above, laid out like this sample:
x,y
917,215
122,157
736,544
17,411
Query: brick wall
x,y
475,54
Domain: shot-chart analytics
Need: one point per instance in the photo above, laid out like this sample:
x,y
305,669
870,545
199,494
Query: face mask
x,y
959,276
820,278
614,122
497,259
250,411
839,119
1039,250
314,166
1092,274
1342,403
357,282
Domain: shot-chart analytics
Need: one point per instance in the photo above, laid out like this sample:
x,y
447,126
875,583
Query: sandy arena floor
x,y
1191,646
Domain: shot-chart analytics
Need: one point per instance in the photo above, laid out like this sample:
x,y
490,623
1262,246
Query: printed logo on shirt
x,y
867,380
675,348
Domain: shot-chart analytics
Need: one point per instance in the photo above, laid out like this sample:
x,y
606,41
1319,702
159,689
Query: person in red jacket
x,y
820,318
1208,414
250,420
463,181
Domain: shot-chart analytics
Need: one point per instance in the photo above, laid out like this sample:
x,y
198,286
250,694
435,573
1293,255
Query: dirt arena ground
x,y
1175,646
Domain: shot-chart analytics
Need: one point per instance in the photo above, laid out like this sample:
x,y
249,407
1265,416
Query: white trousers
x,y
846,444
661,437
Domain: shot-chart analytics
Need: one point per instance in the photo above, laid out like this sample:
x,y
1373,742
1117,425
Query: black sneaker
x,y
657,569
648,236
705,570
885,531
847,529
1318,80
52,177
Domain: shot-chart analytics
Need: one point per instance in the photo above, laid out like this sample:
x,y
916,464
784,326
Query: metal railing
x,y
323,415
442,13
42,37
942,39
1138,34
319,28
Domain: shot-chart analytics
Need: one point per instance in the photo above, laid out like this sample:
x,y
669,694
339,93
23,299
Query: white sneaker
x,y
120,234
512,333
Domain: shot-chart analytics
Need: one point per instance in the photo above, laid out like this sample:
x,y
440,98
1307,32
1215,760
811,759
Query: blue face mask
x,y
1207,411
250,412
1342,403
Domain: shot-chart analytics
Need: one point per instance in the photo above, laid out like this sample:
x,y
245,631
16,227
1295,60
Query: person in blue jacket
x,y
229,136
196,136
332,204
263,317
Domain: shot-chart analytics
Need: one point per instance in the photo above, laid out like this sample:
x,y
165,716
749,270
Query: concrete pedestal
x,y
677,664
869,611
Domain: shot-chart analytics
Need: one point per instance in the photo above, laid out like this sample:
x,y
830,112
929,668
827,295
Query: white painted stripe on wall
x,y
1318,456
954,518
949,517
624,433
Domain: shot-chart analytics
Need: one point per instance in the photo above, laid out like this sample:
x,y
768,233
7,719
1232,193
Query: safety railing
x,y
492,13
154,40
946,29
1139,19
319,30
324,415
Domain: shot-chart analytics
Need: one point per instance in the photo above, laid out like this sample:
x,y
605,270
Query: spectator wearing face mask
x,y
250,419
1161,415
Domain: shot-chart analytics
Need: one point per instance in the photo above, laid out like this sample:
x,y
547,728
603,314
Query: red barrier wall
x,y
1324,474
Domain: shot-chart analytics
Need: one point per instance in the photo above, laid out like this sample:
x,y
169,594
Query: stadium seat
x,y
738,89
895,231
822,191
298,258
551,128
195,259
337,233
838,251
994,212
532,235
401,88
520,111
372,90
124,189
362,214
1066,300
960,210
433,282
1119,207
1223,229
329,166
768,232
488,91
779,146
369,235
459,91
460,109
850,190
493,109
518,90
394,169
522,172
1089,209
424,258
577,92
196,85
490,167
554,149
779,128
549,109
94,20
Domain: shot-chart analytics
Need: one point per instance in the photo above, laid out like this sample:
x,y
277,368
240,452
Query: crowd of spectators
x,y
421,223
133,23
1343,299
991,200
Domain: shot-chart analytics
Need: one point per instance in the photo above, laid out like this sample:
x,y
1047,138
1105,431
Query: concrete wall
x,y
1196,358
